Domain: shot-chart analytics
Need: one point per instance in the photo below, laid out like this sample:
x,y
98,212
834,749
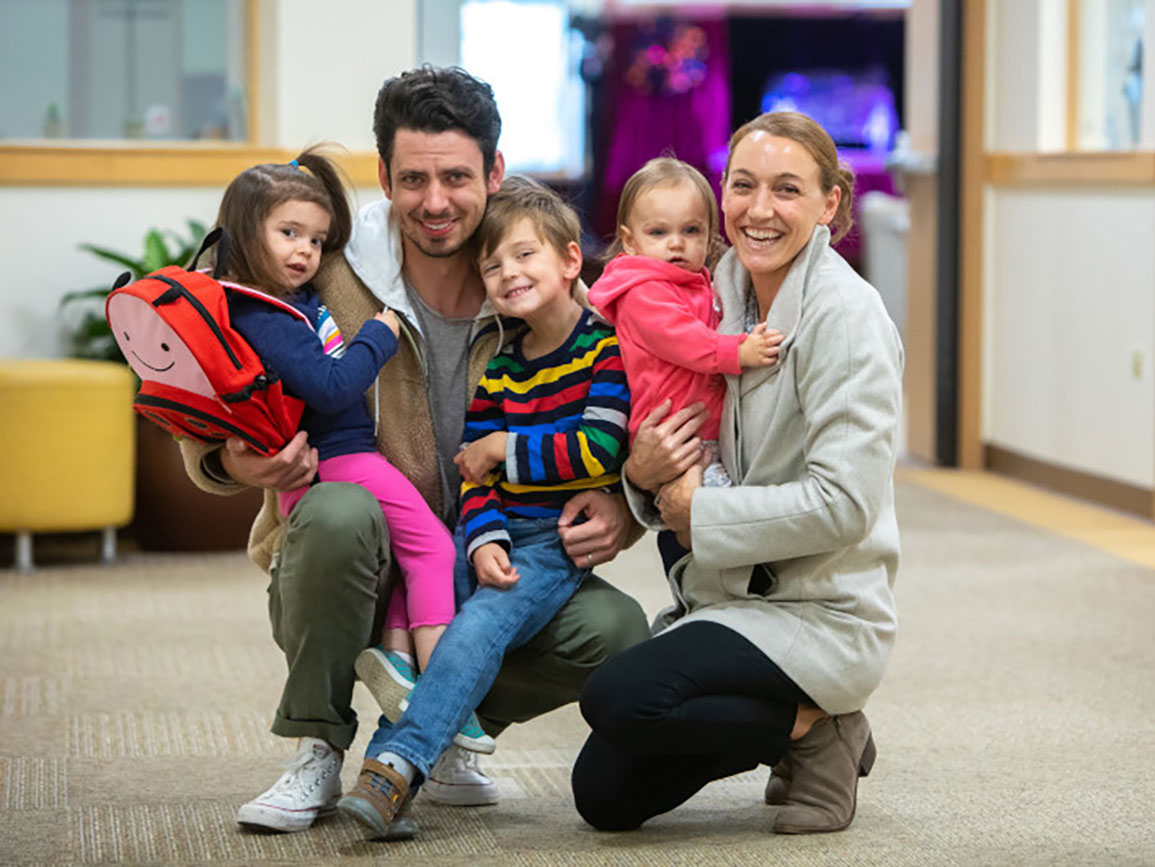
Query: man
x,y
329,564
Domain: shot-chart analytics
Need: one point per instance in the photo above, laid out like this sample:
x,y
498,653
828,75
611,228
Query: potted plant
x,y
172,514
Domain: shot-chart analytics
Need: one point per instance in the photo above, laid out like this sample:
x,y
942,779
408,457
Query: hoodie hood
x,y
375,254
625,272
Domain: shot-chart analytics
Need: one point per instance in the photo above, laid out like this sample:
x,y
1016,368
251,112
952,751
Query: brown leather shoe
x,y
826,764
380,795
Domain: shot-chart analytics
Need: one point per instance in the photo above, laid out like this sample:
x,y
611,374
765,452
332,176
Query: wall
x,y
318,78
1070,302
1069,283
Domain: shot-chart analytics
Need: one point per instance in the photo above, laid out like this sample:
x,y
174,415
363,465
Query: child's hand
x,y
491,563
760,348
389,318
478,459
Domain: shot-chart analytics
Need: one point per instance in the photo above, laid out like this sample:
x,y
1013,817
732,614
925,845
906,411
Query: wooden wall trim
x,y
970,327
207,165
1088,168
1125,497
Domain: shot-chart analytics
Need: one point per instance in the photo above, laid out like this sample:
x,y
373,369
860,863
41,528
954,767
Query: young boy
x,y
548,420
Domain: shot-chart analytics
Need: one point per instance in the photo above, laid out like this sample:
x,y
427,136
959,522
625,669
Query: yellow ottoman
x,y
66,449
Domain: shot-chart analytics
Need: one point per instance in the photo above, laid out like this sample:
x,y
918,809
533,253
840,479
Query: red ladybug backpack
x,y
199,377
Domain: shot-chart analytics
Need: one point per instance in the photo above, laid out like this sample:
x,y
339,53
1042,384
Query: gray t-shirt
x,y
447,360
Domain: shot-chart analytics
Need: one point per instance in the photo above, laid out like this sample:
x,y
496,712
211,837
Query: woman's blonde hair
x,y
800,128
663,172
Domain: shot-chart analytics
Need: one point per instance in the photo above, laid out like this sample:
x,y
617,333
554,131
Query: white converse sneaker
x,y
457,780
310,787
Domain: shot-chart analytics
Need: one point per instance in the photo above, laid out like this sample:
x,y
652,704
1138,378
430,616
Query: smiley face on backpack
x,y
153,348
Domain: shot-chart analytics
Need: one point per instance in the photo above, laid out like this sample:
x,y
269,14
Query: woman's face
x,y
772,201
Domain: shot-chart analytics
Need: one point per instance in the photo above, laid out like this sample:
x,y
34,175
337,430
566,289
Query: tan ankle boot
x,y
826,764
778,786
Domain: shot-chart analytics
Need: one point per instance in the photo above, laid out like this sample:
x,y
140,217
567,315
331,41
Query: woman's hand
x,y
290,468
491,563
665,448
478,459
673,501
602,534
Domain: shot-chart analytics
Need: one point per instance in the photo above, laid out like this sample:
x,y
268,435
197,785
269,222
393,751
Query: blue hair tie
x,y
294,164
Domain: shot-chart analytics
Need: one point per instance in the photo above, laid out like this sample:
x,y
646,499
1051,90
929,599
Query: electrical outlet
x,y
1138,363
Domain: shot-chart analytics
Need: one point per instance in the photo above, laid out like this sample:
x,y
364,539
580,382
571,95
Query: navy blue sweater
x,y
336,416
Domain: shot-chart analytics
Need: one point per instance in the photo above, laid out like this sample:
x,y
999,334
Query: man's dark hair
x,y
431,100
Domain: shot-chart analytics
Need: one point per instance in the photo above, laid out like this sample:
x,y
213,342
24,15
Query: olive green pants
x,y
327,602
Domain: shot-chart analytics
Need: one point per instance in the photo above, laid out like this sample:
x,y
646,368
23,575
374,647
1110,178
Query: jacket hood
x,y
624,272
375,254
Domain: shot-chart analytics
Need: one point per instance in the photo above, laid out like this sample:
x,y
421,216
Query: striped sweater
x,y
566,415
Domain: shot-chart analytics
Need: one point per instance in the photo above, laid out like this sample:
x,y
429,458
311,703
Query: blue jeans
x,y
490,623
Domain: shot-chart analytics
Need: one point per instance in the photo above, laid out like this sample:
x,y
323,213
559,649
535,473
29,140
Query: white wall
x,y
1069,280
45,225
1069,303
320,74
1026,75
331,59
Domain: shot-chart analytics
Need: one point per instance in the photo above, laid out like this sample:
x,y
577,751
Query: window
x,y
1110,73
124,69
530,56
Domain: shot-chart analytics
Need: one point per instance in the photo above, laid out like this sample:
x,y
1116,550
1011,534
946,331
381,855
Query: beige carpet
x,y
1015,725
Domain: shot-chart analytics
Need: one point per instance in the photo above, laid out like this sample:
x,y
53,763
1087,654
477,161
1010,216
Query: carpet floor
x,y
1016,723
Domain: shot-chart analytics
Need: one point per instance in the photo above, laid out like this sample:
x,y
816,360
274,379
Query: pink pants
x,y
420,542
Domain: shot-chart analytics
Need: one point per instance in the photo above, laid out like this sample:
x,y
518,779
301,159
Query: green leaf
x,y
82,294
133,265
156,253
94,326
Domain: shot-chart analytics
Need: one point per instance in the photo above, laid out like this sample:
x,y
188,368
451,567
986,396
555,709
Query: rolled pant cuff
x,y
339,735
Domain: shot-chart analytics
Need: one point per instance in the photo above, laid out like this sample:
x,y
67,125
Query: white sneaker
x,y
457,780
310,787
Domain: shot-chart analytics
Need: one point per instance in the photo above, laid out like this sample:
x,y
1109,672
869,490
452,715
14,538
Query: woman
x,y
784,610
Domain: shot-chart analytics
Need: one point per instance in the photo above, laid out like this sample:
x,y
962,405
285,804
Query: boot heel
x,y
869,754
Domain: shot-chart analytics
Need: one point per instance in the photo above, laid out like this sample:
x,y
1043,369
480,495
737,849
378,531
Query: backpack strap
x,y
220,237
268,299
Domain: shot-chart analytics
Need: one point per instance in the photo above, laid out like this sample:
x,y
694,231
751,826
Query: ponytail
x,y
326,172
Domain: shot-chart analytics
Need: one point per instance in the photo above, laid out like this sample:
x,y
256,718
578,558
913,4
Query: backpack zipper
x,y
176,290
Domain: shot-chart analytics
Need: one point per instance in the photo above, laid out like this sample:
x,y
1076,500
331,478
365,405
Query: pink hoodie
x,y
666,320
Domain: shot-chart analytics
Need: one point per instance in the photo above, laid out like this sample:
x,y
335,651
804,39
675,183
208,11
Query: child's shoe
x,y
390,679
380,795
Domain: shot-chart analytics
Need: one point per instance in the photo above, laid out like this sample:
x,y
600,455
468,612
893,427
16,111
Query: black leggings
x,y
696,704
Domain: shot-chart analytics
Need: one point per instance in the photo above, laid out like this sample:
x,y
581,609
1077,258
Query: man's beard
x,y
441,252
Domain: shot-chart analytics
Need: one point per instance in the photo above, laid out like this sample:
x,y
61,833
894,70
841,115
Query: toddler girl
x,y
656,292
279,221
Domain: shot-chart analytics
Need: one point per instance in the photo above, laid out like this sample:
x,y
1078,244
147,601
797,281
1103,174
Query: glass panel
x,y
112,69
542,113
1111,73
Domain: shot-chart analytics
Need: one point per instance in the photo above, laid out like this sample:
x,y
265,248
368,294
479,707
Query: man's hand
x,y
491,563
478,459
292,467
760,348
602,535
664,448
673,501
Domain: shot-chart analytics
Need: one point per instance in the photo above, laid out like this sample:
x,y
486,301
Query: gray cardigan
x,y
810,443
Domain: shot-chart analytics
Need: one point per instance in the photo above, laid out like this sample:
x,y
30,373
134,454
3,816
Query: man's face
x,y
438,186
